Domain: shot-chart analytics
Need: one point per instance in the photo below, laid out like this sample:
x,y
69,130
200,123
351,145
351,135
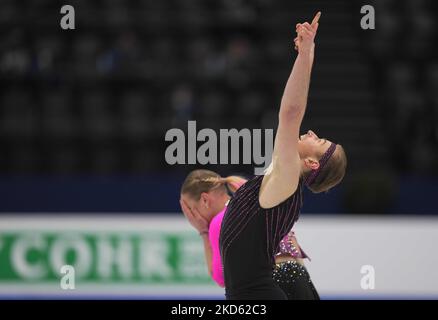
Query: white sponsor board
x,y
400,249
161,256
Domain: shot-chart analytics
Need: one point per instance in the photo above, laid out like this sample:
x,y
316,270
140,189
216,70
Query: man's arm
x,y
282,181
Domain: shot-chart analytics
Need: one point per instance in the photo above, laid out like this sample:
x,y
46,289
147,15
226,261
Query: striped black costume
x,y
250,237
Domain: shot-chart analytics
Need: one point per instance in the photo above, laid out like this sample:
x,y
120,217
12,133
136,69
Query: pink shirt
x,y
213,235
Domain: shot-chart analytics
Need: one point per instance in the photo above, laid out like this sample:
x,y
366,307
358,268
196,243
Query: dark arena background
x,y
84,113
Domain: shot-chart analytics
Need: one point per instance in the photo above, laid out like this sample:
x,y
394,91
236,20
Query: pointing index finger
x,y
316,18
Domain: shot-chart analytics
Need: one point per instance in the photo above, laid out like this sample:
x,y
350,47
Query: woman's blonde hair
x,y
199,181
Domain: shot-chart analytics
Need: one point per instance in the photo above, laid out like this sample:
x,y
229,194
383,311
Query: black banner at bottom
x,y
210,309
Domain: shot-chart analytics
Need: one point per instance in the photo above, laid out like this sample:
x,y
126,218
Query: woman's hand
x,y
194,217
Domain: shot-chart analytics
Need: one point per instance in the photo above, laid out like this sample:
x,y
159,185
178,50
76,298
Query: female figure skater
x,y
202,194
265,208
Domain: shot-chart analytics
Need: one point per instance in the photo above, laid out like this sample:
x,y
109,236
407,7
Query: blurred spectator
x,y
132,70
182,105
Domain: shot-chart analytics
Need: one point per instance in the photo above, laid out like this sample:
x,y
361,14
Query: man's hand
x,y
304,42
195,218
